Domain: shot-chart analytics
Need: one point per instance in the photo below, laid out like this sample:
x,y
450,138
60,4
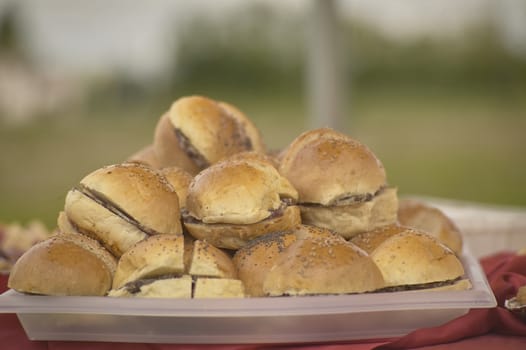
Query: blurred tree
x,y
10,36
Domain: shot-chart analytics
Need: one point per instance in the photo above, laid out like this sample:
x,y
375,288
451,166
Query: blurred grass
x,y
467,146
446,119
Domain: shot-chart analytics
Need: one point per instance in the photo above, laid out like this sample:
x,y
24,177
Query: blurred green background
x,y
447,117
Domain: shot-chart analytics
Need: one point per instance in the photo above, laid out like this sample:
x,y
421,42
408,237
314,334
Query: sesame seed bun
x,y
209,261
341,184
152,257
122,204
198,131
326,167
235,201
305,261
407,256
255,259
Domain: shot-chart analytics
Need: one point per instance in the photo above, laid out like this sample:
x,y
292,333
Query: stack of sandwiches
x,y
205,211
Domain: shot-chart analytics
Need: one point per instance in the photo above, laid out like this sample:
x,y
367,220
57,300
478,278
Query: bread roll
x,y
235,201
180,180
306,261
410,258
197,132
154,256
65,264
122,204
341,184
422,216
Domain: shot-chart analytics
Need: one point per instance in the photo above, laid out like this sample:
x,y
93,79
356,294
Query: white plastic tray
x,y
250,320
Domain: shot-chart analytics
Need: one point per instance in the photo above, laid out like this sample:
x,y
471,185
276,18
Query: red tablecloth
x,y
494,328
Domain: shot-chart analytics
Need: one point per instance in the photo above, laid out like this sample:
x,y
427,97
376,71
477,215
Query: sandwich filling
x,y
134,287
107,203
273,213
421,286
349,199
198,158
191,151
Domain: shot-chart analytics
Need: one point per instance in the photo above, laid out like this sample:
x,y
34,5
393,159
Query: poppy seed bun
x,y
407,256
122,204
180,180
341,184
370,240
321,262
200,132
62,265
237,192
152,257
167,150
235,201
326,167
209,261
255,259
431,220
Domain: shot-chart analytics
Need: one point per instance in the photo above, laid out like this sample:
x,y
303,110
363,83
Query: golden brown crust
x,y
152,257
413,257
210,129
209,261
253,155
255,260
141,192
180,180
237,192
59,266
121,204
235,236
92,219
414,213
370,240
327,167
321,262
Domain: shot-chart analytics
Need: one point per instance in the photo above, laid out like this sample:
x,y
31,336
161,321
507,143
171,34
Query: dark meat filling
x,y
274,213
420,286
350,199
104,201
192,152
134,287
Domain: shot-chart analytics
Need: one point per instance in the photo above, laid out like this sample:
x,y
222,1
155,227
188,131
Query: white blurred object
x,y
510,20
324,74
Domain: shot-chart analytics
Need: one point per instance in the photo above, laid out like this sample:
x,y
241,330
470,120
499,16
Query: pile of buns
x,y
206,211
